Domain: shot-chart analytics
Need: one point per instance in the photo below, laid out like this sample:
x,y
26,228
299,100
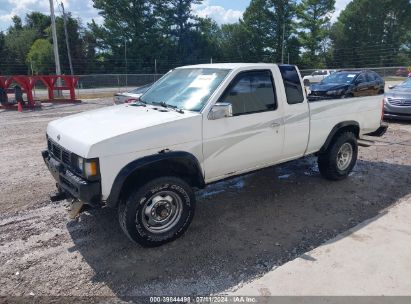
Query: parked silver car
x,y
397,101
131,96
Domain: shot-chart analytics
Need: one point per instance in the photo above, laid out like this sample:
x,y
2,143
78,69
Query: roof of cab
x,y
230,66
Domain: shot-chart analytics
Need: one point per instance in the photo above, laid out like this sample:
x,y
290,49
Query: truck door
x,y
296,113
253,136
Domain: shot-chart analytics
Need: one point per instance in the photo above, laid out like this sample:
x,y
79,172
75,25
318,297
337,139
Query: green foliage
x,y
40,57
314,23
372,33
259,30
235,44
18,42
367,33
284,26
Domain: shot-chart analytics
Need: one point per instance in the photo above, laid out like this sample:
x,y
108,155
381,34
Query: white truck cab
x,y
195,126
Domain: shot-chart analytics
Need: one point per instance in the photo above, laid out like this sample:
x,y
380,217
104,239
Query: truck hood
x,y
80,132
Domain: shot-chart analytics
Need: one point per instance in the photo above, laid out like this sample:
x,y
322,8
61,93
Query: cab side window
x,y
251,92
361,79
292,84
371,77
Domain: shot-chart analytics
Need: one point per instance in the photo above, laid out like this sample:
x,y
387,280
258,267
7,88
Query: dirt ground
x,y
242,229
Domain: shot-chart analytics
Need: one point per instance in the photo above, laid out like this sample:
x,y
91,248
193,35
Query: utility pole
x,y
125,57
55,44
282,47
67,39
155,66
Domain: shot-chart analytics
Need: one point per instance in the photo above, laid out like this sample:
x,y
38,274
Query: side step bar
x,y
365,143
380,131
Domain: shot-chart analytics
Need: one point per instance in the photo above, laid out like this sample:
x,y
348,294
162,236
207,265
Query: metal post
x,y
125,57
155,66
55,44
67,40
282,48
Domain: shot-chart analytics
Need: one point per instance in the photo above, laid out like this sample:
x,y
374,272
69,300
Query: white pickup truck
x,y
317,76
198,125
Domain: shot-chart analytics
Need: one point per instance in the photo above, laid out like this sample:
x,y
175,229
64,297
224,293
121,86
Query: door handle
x,y
275,125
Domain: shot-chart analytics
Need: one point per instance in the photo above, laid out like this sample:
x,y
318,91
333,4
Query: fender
x,y
184,159
336,129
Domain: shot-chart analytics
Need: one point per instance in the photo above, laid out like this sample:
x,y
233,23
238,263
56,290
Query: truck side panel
x,y
325,115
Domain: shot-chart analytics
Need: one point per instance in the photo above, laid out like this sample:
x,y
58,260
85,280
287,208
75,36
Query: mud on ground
x,y
242,229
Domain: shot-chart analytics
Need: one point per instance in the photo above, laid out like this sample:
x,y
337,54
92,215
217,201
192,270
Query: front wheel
x,y
349,95
340,157
158,212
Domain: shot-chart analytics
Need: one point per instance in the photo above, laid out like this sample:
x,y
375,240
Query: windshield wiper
x,y
168,106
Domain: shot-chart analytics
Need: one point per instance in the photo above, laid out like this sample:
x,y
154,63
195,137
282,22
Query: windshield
x,y
186,89
405,84
341,77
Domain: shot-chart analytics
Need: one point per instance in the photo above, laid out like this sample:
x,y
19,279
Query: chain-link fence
x,y
105,85
388,73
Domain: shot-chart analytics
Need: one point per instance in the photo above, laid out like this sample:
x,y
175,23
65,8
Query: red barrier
x,y
27,84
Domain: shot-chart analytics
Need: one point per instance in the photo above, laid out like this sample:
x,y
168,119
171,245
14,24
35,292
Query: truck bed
x,y
325,114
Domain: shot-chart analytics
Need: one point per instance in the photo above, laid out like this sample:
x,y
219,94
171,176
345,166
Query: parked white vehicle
x,y
132,95
195,126
316,76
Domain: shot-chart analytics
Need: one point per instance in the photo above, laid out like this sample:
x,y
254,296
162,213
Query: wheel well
x,y
338,129
167,167
351,128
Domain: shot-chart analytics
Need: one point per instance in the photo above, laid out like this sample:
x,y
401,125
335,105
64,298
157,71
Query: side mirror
x,y
391,87
221,110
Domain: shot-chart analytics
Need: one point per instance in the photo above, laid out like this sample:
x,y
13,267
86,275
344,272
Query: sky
x,y
222,11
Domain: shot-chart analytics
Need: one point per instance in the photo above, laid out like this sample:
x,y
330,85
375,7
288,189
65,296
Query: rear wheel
x,y
158,212
340,157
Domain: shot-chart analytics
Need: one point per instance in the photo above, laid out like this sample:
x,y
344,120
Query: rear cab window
x,y
292,84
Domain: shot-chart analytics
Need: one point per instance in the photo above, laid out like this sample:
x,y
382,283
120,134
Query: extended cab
x,y
195,126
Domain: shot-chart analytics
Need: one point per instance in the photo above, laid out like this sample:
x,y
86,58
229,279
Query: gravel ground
x,y
242,229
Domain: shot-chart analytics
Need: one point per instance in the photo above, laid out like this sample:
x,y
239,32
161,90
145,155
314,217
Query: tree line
x,y
143,36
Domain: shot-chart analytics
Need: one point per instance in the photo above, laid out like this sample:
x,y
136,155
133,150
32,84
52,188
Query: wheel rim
x,y
344,156
162,211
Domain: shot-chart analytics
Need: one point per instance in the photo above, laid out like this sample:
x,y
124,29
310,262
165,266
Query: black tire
x,y
143,204
328,162
349,95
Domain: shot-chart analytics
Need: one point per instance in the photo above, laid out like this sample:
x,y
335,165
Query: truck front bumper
x,y
72,185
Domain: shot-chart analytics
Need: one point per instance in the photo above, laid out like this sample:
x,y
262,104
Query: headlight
x,y
335,92
89,168
80,164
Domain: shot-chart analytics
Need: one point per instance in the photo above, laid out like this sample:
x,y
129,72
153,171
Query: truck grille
x,y
399,102
59,152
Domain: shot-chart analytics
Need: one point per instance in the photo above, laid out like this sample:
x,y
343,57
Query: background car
x,y
402,72
397,101
316,76
131,96
346,84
